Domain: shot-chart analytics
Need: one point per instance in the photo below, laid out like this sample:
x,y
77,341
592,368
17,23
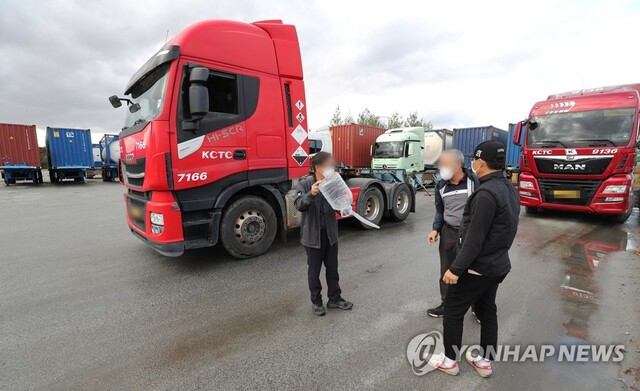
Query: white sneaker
x,y
484,370
438,362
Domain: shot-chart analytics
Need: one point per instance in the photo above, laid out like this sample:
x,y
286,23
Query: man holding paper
x,y
319,235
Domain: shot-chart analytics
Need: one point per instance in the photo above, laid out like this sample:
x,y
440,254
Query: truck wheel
x,y
531,210
52,177
106,176
249,226
623,217
401,203
371,207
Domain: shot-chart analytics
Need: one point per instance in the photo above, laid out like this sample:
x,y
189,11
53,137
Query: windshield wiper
x,y
550,141
598,142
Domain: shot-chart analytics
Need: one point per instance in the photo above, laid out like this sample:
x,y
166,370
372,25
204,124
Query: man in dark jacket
x,y
489,225
451,196
319,236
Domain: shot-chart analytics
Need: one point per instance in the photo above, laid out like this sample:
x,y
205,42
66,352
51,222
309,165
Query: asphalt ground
x,y
86,305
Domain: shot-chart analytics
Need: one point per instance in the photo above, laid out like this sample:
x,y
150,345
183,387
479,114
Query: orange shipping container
x,y
352,144
19,144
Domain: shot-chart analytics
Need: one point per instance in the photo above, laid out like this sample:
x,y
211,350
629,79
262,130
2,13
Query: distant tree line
x,y
366,117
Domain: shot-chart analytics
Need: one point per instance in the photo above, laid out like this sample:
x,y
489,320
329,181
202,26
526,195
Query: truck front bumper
x,y
164,236
582,196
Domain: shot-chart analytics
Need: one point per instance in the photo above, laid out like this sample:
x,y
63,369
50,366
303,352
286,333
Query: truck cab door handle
x,y
239,154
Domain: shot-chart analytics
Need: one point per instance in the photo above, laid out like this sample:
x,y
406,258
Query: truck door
x,y
218,147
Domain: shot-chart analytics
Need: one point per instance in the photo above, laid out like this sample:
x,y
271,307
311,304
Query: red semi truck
x,y
215,140
579,152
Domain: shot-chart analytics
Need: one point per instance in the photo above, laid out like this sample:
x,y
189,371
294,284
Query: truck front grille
x,y
587,190
134,172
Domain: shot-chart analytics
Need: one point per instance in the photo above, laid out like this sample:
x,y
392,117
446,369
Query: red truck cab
x,y
219,109
215,140
579,151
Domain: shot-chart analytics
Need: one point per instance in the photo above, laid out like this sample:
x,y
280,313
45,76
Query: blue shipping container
x,y
69,148
466,139
513,151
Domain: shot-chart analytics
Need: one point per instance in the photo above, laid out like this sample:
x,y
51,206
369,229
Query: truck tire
x,y
400,203
531,210
53,177
106,176
371,207
249,226
619,219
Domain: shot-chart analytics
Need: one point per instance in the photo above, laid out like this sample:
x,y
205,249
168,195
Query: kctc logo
x,y
421,349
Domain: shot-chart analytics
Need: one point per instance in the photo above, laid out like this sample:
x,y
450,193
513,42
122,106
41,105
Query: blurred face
x,y
449,166
329,165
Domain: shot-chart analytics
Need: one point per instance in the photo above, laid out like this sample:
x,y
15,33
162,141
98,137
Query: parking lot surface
x,y
86,305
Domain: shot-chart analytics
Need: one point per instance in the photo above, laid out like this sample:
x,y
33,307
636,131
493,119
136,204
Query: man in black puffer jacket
x,y
489,225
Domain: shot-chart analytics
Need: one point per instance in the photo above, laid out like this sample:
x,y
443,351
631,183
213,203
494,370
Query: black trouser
x,y
471,290
315,257
448,247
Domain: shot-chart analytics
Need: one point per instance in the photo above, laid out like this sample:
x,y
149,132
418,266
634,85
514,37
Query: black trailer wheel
x,y
371,207
400,203
249,226
53,177
106,176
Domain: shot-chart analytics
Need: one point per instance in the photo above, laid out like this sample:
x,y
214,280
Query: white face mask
x,y
473,169
446,173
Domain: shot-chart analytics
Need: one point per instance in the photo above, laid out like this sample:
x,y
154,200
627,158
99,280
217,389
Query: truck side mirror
x,y
517,133
198,93
115,101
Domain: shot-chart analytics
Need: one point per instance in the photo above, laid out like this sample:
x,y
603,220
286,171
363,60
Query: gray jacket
x,y
313,210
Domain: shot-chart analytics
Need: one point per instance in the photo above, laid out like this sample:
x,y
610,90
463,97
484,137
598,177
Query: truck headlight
x,y
157,218
526,185
615,189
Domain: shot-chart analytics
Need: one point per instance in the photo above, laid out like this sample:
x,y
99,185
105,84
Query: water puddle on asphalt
x,y
580,289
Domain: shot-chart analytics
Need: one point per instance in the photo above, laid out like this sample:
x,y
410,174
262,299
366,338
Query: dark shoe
x,y
340,303
318,309
437,312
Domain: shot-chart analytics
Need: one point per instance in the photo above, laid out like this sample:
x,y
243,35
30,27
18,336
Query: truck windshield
x,y
389,149
610,127
147,97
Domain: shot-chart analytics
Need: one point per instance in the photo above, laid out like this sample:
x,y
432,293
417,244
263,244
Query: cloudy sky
x,y
459,63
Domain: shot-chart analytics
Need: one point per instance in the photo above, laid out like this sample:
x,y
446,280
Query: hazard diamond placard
x,y
299,134
300,156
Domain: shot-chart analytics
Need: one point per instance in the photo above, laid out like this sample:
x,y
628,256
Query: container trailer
x,y
19,154
579,151
352,144
70,153
466,139
215,141
110,156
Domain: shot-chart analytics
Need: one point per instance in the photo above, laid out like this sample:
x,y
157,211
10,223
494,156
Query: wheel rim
x,y
250,227
402,202
372,208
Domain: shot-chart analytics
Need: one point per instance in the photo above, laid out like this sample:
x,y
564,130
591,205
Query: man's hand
x,y
432,237
315,188
450,278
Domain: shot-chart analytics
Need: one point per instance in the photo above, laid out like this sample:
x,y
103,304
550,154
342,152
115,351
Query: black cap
x,y
490,151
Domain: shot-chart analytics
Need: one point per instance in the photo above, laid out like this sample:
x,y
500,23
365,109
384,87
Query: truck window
x,y
223,93
315,146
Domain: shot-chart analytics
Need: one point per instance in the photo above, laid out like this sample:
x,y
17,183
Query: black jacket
x,y
313,210
489,225
438,219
